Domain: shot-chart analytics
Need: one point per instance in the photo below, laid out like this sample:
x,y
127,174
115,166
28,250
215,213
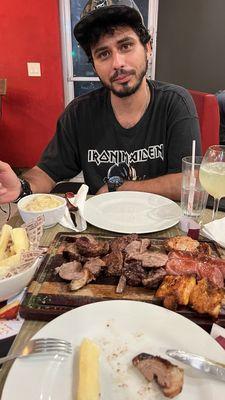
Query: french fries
x,y
12,243
89,381
4,240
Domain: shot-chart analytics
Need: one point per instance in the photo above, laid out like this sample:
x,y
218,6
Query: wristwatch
x,y
25,190
114,182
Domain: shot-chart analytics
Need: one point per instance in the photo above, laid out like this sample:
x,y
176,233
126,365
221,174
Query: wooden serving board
x,y
49,296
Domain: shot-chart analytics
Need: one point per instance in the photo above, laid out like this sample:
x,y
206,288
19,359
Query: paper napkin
x,y
78,200
215,230
218,333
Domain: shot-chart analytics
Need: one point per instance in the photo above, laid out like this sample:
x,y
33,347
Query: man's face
x,y
120,61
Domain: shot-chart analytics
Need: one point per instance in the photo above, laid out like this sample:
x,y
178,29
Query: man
x,y
221,101
129,135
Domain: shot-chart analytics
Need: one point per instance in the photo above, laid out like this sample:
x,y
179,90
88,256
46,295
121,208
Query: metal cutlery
x,y
43,347
203,364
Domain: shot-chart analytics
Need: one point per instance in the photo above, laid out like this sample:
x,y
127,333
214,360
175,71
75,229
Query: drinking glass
x,y
212,174
193,198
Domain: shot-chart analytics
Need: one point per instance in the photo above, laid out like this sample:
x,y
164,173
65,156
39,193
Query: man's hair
x,y
103,26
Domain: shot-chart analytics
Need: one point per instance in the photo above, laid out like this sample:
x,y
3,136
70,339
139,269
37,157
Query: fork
x,y
43,346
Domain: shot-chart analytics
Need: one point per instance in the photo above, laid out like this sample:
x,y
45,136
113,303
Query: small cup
x,y
193,196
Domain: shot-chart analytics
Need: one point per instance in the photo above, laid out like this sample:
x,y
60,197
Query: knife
x,y
201,363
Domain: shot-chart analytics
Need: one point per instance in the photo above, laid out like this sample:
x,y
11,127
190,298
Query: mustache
x,y
121,72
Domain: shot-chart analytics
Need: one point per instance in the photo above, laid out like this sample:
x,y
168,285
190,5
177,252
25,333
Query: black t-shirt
x,y
90,139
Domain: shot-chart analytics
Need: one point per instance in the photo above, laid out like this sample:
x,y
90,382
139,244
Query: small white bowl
x,y
52,215
11,286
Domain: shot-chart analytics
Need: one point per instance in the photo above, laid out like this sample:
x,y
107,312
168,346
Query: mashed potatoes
x,y
41,203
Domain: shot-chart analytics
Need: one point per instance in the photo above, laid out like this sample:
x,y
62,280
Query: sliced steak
x,y
168,376
90,247
150,259
154,277
133,272
114,263
69,270
137,246
94,265
121,242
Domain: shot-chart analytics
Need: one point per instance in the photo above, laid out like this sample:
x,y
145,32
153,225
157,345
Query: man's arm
x,y
39,181
166,185
10,187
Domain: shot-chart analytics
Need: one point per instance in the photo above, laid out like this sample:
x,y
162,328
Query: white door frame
x,y
66,45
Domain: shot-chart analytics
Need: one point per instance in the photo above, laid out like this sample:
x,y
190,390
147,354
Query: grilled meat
x,y
94,265
133,272
85,276
202,266
90,247
137,246
176,266
154,277
168,376
69,271
184,243
121,242
114,263
179,287
204,248
187,244
206,298
138,250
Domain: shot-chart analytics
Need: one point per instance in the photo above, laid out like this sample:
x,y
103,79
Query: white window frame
x,y
66,45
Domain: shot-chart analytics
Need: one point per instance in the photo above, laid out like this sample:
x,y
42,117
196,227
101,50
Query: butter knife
x,y
201,363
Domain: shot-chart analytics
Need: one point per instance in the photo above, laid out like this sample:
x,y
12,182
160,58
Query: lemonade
x,y
212,178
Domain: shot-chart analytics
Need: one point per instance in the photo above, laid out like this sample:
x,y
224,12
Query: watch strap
x,y
25,190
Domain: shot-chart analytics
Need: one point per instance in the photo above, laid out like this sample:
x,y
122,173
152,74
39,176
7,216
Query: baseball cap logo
x,y
100,3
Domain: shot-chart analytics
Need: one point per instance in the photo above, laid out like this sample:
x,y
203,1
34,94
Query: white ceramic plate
x,y
131,212
122,329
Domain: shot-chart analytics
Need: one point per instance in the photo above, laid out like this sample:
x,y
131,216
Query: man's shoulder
x,y
165,87
94,97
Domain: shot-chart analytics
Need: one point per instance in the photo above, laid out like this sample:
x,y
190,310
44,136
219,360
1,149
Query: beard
x,y
125,89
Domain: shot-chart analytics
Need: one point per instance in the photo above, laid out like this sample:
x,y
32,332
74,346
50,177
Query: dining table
x,y
31,327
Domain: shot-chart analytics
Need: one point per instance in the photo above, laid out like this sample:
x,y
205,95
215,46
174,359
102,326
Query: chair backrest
x,y
209,118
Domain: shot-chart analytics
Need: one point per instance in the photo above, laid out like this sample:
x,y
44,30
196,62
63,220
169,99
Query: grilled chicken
x,y
177,288
187,244
168,376
184,243
206,298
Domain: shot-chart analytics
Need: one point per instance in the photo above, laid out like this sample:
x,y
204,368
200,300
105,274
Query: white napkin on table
x,y
78,200
215,230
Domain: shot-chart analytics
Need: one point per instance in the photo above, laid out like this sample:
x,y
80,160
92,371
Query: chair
x,y
209,118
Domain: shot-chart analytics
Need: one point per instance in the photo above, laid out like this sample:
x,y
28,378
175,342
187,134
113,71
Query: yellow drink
x,y
212,178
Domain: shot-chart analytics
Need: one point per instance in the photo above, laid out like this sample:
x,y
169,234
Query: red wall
x,y
29,32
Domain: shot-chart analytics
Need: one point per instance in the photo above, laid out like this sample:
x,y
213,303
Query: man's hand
x,y
103,189
10,186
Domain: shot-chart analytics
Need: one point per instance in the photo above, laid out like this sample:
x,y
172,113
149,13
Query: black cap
x,y
97,9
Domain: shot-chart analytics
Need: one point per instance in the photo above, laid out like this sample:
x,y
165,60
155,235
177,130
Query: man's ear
x,y
148,50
